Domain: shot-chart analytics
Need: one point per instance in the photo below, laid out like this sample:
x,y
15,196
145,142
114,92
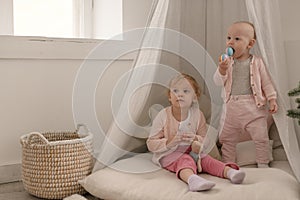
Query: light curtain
x,y
135,97
266,19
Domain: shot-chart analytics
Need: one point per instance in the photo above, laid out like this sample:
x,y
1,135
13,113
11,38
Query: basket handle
x,y
38,135
83,126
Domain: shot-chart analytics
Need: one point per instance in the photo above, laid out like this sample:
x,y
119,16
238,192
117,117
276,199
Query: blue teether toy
x,y
223,57
229,52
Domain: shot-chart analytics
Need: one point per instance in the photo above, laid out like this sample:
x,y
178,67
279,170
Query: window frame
x,y
84,14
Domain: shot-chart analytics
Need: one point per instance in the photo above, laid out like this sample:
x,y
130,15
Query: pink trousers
x,y
241,117
184,160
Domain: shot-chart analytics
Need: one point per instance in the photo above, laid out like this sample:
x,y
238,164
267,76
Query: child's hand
x,y
273,107
188,137
196,146
223,65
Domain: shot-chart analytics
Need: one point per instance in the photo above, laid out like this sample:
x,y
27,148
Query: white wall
x,y
135,13
289,11
37,76
290,17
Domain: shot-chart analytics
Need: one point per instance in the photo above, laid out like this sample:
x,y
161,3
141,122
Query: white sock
x,y
196,183
236,176
262,165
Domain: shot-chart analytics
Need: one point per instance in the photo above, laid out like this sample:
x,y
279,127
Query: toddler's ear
x,y
251,43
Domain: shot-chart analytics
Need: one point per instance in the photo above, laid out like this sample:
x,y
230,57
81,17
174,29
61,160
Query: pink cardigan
x,y
165,127
260,80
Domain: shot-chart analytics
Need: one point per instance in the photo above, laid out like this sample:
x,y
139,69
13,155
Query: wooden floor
x,y
15,191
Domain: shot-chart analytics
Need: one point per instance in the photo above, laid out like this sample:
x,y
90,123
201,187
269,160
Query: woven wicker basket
x,y
53,162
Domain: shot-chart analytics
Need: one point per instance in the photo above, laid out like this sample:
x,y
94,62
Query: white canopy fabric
x,y
265,16
183,27
123,126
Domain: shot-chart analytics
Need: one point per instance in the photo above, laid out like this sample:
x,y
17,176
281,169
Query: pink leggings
x,y
242,118
209,164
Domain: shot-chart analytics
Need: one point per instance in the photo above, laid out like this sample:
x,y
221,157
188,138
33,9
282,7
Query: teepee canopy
x,y
188,36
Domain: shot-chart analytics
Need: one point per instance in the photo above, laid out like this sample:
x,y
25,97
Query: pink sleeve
x,y
219,79
157,142
266,82
202,129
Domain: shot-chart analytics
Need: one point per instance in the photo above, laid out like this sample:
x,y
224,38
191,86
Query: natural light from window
x,y
95,19
50,18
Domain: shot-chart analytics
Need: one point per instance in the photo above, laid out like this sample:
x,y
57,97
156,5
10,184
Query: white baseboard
x,y
10,173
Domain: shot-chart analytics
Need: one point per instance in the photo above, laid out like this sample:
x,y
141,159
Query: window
x,y
98,19
50,18
107,18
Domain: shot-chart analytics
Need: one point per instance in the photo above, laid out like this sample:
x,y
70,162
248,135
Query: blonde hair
x,y
190,79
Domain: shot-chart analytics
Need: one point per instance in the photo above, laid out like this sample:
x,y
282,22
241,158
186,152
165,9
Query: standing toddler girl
x,y
247,89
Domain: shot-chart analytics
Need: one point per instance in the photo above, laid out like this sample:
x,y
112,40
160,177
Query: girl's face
x,y
240,38
182,94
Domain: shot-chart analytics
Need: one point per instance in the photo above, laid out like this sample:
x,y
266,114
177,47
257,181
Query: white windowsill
x,y
27,47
